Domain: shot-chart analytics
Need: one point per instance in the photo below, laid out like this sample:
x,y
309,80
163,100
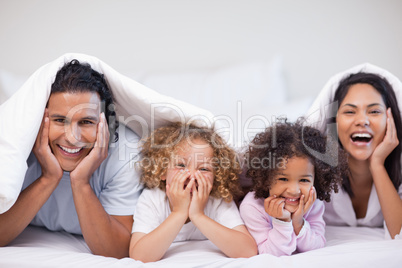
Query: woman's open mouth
x,y
361,138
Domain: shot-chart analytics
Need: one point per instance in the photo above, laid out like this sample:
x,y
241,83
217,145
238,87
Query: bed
x,y
346,247
241,114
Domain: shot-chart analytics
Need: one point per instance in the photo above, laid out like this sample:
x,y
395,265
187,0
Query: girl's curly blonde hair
x,y
160,147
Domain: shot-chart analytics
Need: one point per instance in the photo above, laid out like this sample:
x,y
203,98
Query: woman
x,y
76,182
369,129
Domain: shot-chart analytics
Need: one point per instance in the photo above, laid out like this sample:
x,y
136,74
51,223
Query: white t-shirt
x,y
116,184
153,208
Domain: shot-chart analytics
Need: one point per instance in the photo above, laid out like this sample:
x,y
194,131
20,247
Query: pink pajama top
x,y
277,237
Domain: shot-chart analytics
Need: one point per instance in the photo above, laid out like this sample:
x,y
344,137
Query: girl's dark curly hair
x,y
76,77
285,140
159,149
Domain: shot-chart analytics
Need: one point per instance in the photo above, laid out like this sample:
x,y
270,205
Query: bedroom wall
x,y
315,39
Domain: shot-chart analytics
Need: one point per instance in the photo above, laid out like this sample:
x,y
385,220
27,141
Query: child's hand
x,y
200,196
275,207
178,194
297,216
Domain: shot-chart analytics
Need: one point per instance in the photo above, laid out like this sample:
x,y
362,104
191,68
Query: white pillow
x,y
254,84
233,93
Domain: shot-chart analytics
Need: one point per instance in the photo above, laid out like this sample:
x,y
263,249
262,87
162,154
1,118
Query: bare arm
x,y
235,243
226,239
17,218
29,202
390,201
105,234
152,246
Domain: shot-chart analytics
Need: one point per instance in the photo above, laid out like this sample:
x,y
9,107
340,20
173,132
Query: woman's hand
x,y
178,194
50,166
83,172
275,207
200,196
388,144
297,216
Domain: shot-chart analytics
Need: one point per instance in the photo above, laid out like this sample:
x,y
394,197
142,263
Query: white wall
x,y
315,38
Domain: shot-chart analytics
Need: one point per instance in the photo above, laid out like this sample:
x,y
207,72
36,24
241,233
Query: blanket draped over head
x,y
136,106
323,107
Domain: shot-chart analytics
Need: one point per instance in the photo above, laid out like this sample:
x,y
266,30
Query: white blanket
x,y
322,109
346,247
137,106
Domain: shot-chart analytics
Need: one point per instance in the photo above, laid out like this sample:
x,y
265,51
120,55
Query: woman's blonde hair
x,y
159,149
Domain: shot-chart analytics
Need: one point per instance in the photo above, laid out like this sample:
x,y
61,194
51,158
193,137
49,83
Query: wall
x,y
316,39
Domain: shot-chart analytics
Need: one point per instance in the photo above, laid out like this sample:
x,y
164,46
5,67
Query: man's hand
x,y
83,172
50,166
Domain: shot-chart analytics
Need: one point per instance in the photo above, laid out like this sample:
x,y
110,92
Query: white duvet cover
x,y
346,247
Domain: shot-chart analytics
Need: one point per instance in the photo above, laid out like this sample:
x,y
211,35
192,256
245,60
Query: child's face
x,y
292,181
194,155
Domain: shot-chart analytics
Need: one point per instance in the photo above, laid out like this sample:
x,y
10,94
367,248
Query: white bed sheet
x,y
346,247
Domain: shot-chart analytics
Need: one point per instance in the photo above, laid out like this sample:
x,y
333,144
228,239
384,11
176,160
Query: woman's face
x,y
361,121
73,121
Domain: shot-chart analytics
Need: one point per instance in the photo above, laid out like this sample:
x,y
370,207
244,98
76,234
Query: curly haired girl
x,y
191,177
290,165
